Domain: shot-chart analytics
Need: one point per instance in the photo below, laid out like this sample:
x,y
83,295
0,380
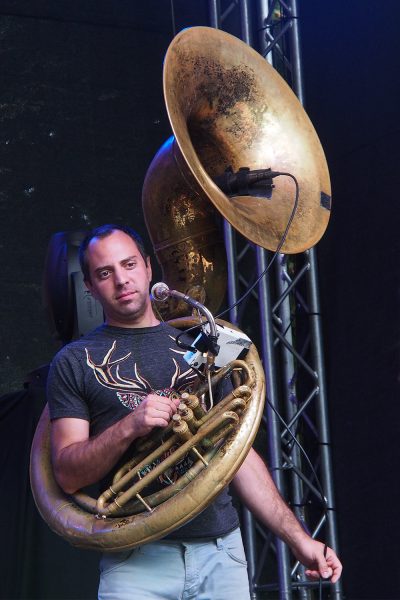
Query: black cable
x,y
182,344
245,295
320,578
326,508
305,455
280,245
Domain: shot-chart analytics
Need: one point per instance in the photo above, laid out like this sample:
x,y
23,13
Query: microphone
x,y
244,180
160,291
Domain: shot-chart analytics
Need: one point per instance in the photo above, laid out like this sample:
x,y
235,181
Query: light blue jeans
x,y
177,570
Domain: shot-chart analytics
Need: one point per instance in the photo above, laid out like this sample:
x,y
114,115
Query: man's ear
x,y
148,267
90,288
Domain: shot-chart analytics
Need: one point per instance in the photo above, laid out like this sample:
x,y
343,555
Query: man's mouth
x,y
126,295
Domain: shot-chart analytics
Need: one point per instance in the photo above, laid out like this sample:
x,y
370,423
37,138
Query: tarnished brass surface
x,y
184,233
229,108
82,528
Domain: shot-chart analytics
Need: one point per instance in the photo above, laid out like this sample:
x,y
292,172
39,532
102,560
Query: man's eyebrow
x,y
122,262
133,257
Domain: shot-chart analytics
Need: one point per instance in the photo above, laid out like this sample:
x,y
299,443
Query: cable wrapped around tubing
x,y
84,529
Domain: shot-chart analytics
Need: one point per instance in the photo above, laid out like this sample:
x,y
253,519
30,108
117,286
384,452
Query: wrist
x,y
127,430
299,542
292,532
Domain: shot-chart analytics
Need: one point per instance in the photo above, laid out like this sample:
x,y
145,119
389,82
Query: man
x,y
114,386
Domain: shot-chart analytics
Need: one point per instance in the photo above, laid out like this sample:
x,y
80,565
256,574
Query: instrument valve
x,y
187,415
180,428
193,402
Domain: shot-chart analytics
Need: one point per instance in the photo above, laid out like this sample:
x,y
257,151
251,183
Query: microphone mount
x,y
161,292
246,182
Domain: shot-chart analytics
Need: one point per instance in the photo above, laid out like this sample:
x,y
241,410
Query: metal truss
x,y
297,444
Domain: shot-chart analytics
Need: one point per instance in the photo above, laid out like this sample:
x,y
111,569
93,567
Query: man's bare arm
x,y
79,460
255,487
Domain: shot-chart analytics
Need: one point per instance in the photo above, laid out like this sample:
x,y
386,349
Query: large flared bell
x,y
229,108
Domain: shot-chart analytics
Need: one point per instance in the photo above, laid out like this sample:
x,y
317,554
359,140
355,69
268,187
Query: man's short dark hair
x,y
102,232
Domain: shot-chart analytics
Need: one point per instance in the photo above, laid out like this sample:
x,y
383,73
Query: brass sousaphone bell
x,y
228,109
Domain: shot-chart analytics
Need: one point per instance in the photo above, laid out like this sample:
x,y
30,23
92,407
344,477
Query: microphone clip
x,y
207,343
246,182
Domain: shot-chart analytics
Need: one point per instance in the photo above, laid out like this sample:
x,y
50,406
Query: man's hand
x,y
79,460
153,411
255,487
319,563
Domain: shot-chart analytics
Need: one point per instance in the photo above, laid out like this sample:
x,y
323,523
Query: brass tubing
x,y
119,485
85,501
227,403
225,430
208,428
241,393
128,467
143,501
216,378
182,429
223,372
235,405
150,443
145,444
153,500
196,455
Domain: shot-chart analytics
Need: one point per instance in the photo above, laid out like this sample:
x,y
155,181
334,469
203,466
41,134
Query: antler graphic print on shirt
x,y
131,391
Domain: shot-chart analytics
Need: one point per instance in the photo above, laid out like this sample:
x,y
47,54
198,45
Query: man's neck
x,y
145,321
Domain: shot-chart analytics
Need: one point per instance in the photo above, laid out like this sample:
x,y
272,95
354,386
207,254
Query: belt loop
x,y
218,542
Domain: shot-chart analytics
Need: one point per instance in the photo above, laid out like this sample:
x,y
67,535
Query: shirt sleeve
x,y
65,387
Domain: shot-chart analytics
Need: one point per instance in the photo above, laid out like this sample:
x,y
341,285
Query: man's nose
x,y
120,277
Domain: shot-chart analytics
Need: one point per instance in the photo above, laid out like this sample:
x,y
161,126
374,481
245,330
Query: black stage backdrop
x,y
82,115
352,68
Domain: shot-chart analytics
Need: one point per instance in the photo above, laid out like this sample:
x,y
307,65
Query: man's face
x,y
119,280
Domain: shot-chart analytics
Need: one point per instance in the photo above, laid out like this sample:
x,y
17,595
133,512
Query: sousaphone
x,y
229,109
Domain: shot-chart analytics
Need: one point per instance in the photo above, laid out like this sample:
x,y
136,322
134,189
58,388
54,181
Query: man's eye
x,y
131,264
104,274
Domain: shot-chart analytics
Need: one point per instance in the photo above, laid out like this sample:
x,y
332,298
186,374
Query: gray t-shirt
x,y
106,374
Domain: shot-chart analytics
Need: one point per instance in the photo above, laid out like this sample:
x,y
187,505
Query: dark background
x,y
82,115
